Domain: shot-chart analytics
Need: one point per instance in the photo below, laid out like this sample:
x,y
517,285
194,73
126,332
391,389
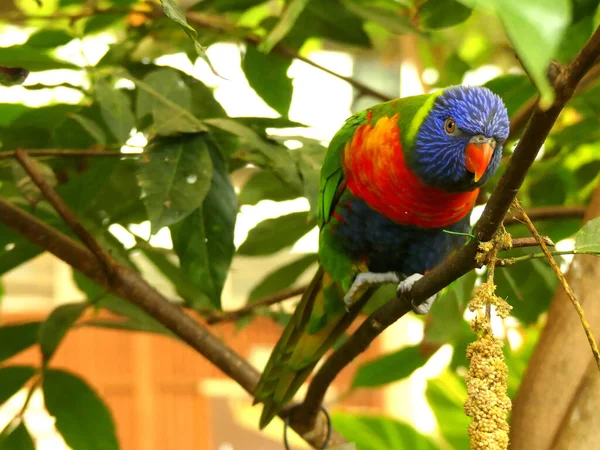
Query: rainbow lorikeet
x,y
395,178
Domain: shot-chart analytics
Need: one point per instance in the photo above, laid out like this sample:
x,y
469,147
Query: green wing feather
x,y
320,318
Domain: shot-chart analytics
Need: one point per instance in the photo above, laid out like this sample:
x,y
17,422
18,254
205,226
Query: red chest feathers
x,y
376,172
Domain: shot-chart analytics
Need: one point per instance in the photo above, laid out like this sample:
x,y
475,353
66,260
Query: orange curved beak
x,y
478,156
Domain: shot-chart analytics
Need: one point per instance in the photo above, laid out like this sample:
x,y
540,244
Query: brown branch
x,y
462,261
547,213
530,242
64,211
563,282
206,21
129,285
66,152
278,297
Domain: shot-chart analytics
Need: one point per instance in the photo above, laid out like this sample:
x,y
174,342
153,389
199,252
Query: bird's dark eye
x,y
450,126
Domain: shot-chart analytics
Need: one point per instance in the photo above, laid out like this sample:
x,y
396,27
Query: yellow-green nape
x,y
420,116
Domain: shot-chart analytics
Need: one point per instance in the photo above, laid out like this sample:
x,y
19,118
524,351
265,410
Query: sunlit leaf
x,y
588,238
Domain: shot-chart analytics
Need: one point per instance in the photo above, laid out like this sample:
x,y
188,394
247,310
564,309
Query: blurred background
x,y
407,390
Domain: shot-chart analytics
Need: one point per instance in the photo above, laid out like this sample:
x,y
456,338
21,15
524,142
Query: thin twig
x,y
278,297
505,262
529,242
563,282
67,152
64,211
548,213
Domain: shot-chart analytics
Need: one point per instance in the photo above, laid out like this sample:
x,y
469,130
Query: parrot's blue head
x,y
459,144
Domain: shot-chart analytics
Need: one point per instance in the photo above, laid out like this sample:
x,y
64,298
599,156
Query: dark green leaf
x,y
91,127
290,14
175,176
583,9
203,241
283,277
100,22
176,13
389,368
56,326
163,95
14,250
128,325
574,39
309,160
446,396
267,75
588,238
272,235
17,438
16,338
528,287
371,432
265,185
227,5
12,379
116,109
49,39
81,416
435,14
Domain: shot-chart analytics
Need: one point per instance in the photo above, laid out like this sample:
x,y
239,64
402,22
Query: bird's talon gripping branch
x,y
406,285
366,279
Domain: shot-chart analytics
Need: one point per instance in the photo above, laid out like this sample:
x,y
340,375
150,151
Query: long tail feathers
x,y
301,346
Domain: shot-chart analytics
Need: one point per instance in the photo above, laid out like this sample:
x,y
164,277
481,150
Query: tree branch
x,y
221,316
129,285
547,213
66,152
462,261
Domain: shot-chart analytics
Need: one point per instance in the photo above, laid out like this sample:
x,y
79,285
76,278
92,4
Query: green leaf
x,y
290,14
588,238
283,277
267,75
16,338
175,176
389,368
56,326
436,14
309,160
12,379
25,184
203,241
265,185
176,13
163,95
49,38
17,438
91,127
81,416
116,109
31,59
446,396
515,90
376,432
272,235
15,250
535,29
127,325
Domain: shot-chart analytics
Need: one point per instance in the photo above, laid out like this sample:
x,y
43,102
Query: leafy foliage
x,y
189,152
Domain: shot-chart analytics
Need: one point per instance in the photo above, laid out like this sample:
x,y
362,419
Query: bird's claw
x,y
366,279
406,285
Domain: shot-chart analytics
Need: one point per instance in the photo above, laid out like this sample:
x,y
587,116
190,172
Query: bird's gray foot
x,y
366,279
406,285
